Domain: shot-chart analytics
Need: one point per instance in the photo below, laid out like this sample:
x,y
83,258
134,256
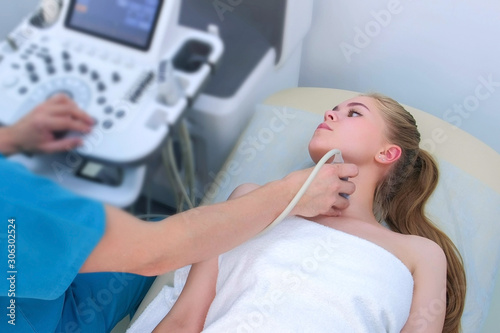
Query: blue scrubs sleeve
x,y
55,231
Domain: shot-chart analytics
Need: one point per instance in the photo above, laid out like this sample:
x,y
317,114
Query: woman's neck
x,y
361,201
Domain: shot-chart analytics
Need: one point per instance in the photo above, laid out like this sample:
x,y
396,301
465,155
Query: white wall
x,y
441,56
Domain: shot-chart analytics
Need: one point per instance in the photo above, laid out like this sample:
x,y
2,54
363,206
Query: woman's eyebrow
x,y
358,104
352,104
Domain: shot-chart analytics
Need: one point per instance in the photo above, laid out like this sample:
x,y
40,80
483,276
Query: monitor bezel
x,y
146,47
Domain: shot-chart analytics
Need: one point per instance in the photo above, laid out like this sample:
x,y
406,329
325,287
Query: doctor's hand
x,y
323,195
37,131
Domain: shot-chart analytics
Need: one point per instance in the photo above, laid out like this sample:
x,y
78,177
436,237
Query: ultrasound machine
x,y
141,68
125,62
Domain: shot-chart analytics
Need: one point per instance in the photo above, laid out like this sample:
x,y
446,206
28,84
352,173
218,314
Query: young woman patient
x,y
380,266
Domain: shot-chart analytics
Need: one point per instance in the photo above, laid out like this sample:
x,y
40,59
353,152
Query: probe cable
x,y
303,189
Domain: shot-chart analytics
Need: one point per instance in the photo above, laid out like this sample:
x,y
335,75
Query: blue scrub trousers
x,y
98,301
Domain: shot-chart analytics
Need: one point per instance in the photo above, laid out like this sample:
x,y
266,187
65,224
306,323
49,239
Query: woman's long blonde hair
x,y
401,197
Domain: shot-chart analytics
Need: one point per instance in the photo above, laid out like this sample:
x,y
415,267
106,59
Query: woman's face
x,y
355,127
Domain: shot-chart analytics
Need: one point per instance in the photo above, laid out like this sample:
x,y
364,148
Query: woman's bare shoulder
x,y
423,245
422,252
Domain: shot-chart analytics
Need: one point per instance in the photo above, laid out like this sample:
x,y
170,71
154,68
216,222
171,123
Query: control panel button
x,y
30,67
120,114
51,70
101,86
107,124
101,100
34,78
65,55
115,77
83,68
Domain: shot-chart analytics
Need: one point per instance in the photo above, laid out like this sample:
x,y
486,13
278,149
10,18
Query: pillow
x,y
275,143
275,140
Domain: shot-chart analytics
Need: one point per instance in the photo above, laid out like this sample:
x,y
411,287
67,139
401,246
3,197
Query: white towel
x,y
300,277
161,304
304,277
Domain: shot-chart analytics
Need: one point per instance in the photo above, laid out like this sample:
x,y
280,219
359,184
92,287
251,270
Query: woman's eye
x,y
354,113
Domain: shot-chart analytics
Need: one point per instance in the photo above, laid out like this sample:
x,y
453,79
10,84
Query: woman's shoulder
x,y
422,252
422,245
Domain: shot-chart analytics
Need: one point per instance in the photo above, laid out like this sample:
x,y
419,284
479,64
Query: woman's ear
x,y
390,155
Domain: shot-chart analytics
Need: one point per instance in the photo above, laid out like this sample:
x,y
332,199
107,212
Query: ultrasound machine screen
x,y
128,22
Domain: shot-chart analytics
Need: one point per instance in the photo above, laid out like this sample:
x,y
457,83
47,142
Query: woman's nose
x,y
331,115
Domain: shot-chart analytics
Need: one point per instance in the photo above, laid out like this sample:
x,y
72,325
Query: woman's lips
x,y
324,126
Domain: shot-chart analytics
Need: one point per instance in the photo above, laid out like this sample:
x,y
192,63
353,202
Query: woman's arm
x,y
428,307
190,310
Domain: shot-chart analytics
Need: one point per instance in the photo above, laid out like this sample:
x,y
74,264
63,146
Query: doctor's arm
x,y
134,246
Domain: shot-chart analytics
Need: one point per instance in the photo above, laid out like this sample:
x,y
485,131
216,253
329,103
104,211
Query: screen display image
x,y
128,22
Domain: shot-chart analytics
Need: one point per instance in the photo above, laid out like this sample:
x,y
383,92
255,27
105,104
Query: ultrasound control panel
x,y
40,72
105,55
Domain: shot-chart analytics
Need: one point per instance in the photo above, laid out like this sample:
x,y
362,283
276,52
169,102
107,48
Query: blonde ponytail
x,y
400,201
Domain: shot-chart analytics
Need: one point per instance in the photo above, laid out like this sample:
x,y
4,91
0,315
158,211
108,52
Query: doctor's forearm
x,y
135,246
152,248
208,231
7,145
